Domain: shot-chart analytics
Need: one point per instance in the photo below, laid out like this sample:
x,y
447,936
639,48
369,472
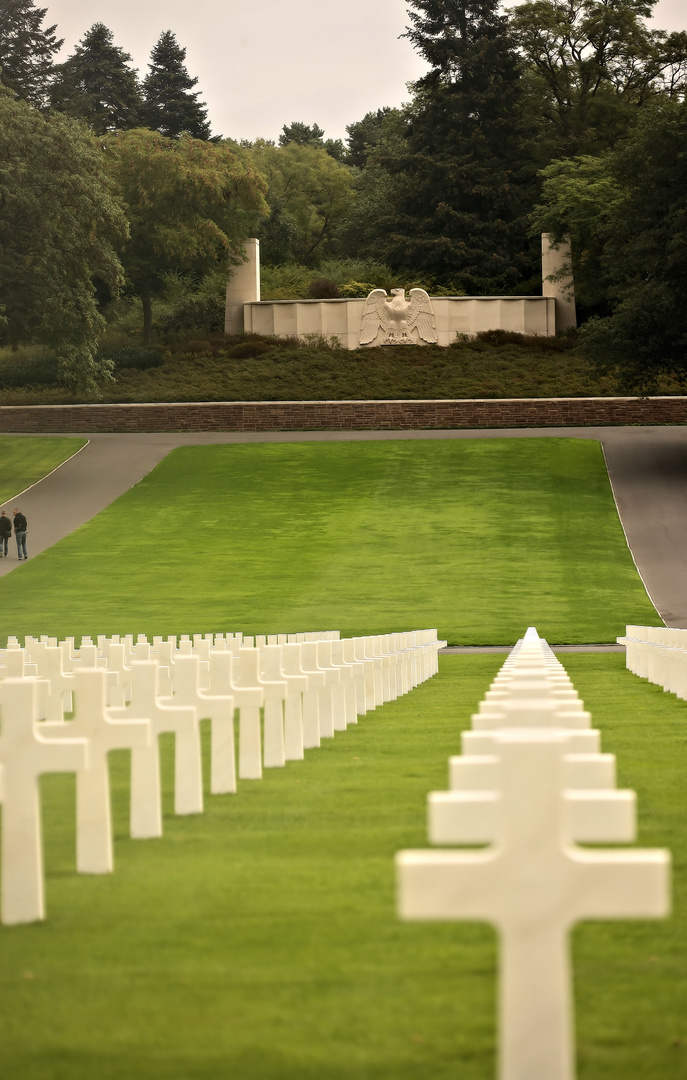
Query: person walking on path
x,y
5,532
20,528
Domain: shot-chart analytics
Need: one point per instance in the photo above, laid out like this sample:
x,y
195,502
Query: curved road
x,y
647,467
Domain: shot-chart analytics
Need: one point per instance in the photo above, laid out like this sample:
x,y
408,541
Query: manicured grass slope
x,y
259,940
24,460
478,538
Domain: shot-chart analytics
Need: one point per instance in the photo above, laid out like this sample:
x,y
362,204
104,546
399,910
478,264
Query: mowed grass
x,y
478,538
259,940
25,460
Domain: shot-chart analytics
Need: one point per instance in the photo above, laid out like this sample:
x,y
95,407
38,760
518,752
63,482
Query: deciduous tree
x,y
591,65
627,213
60,225
190,204
309,194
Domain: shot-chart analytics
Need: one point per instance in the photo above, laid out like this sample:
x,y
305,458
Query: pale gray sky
x,y
265,63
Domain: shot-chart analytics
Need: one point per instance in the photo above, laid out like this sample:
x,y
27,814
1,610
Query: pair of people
x,y
20,530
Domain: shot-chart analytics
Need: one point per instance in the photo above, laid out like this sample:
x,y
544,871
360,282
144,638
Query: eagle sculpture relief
x,y
398,317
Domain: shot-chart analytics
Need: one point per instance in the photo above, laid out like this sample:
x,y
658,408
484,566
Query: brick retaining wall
x,y
343,415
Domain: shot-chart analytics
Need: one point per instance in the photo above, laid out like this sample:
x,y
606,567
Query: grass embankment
x,y
25,460
269,369
478,538
260,940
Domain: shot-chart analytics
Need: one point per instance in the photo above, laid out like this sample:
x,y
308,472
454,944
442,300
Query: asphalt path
x,y
647,467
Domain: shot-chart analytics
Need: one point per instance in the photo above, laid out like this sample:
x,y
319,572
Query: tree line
x,y
567,116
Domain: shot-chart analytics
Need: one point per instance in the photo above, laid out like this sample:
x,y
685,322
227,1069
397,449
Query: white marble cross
x,y
25,754
533,884
219,710
237,675
272,669
182,722
94,850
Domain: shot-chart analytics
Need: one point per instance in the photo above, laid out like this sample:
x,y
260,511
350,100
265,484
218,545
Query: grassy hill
x,y
251,368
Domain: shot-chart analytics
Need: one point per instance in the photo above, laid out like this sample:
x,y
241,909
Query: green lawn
x,y
259,941
24,460
478,538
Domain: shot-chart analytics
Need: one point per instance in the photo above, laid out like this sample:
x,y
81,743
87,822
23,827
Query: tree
x,y
309,195
628,211
364,136
462,162
97,85
26,50
60,226
169,107
190,204
301,135
592,64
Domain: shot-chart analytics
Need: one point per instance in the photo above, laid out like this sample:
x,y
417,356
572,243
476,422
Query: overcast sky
x,y
265,63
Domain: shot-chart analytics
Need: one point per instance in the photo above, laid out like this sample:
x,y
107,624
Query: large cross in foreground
x,y
533,884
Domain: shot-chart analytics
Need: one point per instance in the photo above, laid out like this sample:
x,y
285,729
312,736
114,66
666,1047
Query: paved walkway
x,y
647,466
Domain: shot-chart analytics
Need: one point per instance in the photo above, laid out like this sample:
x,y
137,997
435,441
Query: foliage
x,y
168,106
364,136
190,204
302,135
97,85
195,311
323,288
26,50
630,210
309,195
591,66
60,222
455,201
28,366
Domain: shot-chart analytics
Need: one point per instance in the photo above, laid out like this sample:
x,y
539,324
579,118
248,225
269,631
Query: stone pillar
x,y
555,260
242,287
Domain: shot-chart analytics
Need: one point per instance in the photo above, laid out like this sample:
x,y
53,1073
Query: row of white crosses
x,y
63,709
529,787
659,654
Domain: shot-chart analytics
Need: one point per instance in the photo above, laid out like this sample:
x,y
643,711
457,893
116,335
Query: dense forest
x,y
567,116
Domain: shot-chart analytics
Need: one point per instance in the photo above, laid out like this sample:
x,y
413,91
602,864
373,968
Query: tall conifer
x,y
26,50
460,201
169,107
97,84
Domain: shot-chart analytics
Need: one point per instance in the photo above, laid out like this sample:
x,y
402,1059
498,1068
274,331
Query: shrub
x,y
28,366
139,357
197,311
247,349
323,288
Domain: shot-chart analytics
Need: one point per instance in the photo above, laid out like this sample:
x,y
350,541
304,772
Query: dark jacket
x,y
19,523
5,527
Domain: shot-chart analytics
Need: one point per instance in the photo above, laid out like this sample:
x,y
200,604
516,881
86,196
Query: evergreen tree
x,y
97,85
169,107
301,134
26,50
462,164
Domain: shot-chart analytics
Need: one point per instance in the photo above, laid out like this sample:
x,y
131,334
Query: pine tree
x,y
462,166
169,107
97,85
26,50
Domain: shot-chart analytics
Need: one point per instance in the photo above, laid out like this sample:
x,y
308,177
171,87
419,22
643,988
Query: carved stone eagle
x,y
398,317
